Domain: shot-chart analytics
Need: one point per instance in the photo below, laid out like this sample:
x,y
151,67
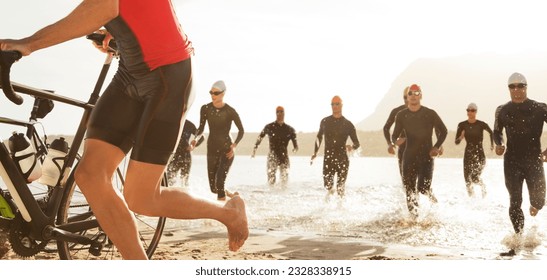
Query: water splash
x,y
374,207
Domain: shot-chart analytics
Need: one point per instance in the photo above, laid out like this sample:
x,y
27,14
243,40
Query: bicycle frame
x,y
33,136
43,224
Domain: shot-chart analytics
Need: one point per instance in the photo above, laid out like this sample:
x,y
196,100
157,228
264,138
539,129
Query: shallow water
x,y
374,208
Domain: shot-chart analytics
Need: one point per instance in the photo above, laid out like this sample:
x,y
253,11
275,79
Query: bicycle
x,y
58,215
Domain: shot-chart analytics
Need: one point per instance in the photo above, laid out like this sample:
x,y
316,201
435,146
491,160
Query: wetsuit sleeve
x,y
202,121
498,127
293,138
319,137
440,130
181,146
458,132
387,126
260,136
487,128
239,126
544,109
397,130
353,137
195,132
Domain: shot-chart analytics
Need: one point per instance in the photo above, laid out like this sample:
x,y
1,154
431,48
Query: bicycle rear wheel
x,y
74,207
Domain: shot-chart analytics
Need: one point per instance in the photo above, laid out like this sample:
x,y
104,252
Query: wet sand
x,y
211,244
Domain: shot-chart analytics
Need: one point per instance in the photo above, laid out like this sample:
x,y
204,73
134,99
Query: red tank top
x,y
157,30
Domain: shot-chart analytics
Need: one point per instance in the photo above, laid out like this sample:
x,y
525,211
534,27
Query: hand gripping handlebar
x,y
99,38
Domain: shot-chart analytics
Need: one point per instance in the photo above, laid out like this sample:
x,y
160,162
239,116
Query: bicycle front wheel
x,y
75,208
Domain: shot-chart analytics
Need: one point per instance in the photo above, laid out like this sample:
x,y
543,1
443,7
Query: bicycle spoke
x,y
76,216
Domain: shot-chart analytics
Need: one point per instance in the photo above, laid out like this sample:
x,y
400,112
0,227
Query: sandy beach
x,y
211,244
297,223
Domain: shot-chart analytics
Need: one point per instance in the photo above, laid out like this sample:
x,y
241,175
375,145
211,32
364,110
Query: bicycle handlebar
x,y
7,58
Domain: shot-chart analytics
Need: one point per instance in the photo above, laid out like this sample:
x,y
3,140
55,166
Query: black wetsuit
x,y
417,163
335,162
219,142
390,121
473,158
279,136
523,124
181,163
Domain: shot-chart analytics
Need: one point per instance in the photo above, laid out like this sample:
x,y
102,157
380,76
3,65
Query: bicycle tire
x,y
73,202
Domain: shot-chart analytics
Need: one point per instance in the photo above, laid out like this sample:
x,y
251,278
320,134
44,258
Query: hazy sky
x,y
294,53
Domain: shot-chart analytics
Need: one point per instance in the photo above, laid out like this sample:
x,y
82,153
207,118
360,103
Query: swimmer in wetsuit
x,y
418,122
336,129
523,120
279,134
401,140
220,147
472,131
181,163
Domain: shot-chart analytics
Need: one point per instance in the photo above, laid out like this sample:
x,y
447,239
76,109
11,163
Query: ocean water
x,y
374,207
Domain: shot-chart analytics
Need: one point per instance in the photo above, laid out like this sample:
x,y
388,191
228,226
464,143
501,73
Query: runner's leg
x,y
93,176
145,196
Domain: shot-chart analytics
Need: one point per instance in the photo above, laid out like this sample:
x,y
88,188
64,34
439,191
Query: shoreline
x,y
211,244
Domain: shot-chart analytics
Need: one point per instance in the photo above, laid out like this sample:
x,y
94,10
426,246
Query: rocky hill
x,y
450,84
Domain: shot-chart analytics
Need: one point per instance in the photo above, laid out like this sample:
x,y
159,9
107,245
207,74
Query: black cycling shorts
x,y
145,112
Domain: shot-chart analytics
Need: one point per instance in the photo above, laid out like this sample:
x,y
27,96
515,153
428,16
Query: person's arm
x,y
544,109
459,135
88,17
240,134
498,132
440,130
259,140
260,136
353,137
487,128
239,125
387,126
318,140
293,139
200,140
202,120
397,130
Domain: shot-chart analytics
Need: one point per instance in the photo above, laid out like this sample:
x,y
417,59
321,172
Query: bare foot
x,y
533,211
238,230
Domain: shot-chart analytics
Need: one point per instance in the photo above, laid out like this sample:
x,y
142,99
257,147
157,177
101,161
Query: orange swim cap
x,y
279,109
415,87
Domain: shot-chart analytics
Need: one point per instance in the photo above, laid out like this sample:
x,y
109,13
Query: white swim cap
x,y
516,78
219,85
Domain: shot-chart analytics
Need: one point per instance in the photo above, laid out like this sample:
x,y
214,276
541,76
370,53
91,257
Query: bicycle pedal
x,y
96,249
97,244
